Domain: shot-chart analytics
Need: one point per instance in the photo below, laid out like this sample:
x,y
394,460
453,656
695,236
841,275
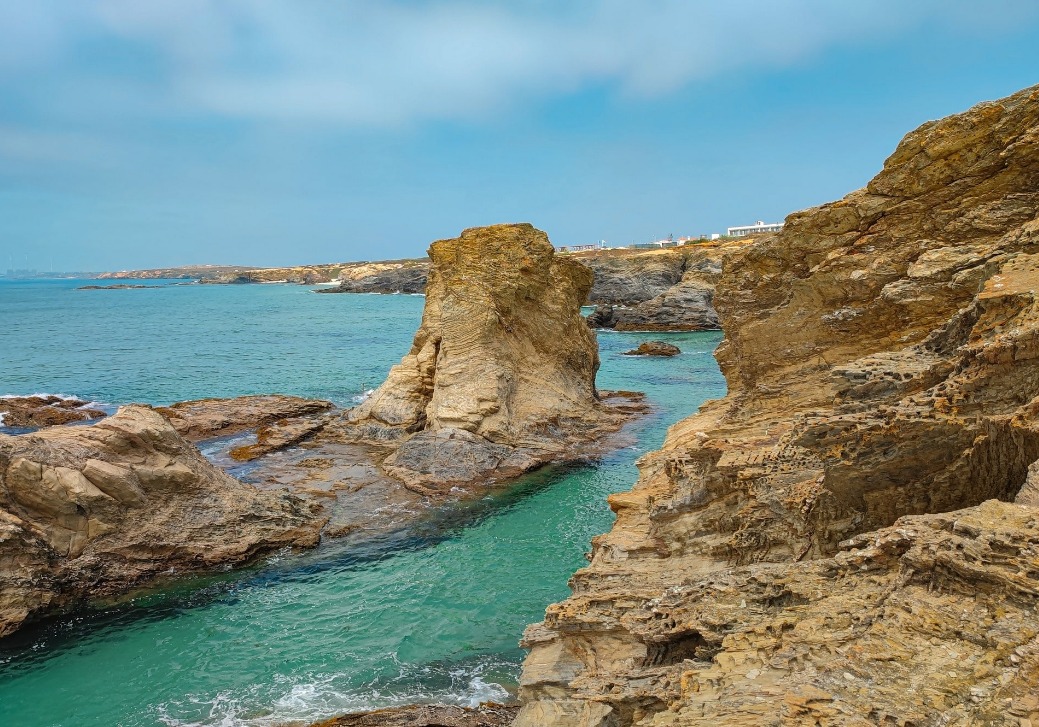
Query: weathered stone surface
x,y
278,435
654,348
501,375
882,355
627,278
45,411
409,278
660,290
432,715
206,418
88,512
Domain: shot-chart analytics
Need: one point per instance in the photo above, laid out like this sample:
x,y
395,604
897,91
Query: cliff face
x,y
88,512
882,355
665,290
404,277
501,374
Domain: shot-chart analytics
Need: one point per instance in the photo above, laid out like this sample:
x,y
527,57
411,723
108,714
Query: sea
x,y
431,613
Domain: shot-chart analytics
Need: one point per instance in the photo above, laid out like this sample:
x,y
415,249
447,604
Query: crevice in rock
x,y
681,646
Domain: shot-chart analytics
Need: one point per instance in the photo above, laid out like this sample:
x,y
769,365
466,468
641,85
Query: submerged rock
x,y
501,374
836,542
89,512
654,348
34,412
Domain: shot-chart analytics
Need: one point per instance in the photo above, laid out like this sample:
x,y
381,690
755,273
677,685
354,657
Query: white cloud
x,y
371,62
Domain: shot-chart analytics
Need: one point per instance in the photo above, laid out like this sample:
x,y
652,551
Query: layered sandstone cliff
x,y
836,542
501,374
91,511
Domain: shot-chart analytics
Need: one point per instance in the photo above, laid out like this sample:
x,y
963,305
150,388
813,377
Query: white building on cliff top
x,y
757,228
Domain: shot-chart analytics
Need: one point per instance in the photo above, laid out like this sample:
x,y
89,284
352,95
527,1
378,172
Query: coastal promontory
x,y
850,536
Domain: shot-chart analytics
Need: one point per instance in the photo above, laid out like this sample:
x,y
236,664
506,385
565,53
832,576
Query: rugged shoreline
x,y
500,381
848,537
633,290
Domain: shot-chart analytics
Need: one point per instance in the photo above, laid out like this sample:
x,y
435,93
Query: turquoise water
x,y
433,613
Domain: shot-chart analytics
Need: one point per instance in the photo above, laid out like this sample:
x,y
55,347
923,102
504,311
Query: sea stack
x,y
837,541
501,374
92,511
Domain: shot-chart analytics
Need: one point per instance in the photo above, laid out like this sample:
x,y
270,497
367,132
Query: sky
x,y
153,133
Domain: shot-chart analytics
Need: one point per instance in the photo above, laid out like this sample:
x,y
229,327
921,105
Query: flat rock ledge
x,y
209,418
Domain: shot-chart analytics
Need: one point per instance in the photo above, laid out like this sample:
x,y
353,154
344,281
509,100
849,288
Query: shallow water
x,y
431,613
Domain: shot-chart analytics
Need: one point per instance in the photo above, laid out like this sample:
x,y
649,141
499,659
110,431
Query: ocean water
x,y
431,613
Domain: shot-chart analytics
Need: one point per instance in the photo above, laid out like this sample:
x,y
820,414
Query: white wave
x,y
1,418
42,395
363,397
310,698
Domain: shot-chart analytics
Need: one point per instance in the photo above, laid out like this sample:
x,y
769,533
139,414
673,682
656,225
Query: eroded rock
x,y
882,356
658,290
501,375
406,277
88,512
208,418
33,412
654,348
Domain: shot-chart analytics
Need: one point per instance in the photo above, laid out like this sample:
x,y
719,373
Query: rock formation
x,y
33,412
89,512
206,418
501,374
407,277
654,348
882,356
658,290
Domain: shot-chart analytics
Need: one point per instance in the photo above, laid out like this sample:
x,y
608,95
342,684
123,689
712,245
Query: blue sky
x,y
270,132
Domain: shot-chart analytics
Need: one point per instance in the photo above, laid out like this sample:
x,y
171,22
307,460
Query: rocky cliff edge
x,y
836,542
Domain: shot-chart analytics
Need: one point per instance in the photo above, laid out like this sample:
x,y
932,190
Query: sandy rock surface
x,y
836,542
501,374
89,512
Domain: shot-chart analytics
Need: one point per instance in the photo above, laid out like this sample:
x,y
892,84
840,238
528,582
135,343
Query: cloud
x,y
389,62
